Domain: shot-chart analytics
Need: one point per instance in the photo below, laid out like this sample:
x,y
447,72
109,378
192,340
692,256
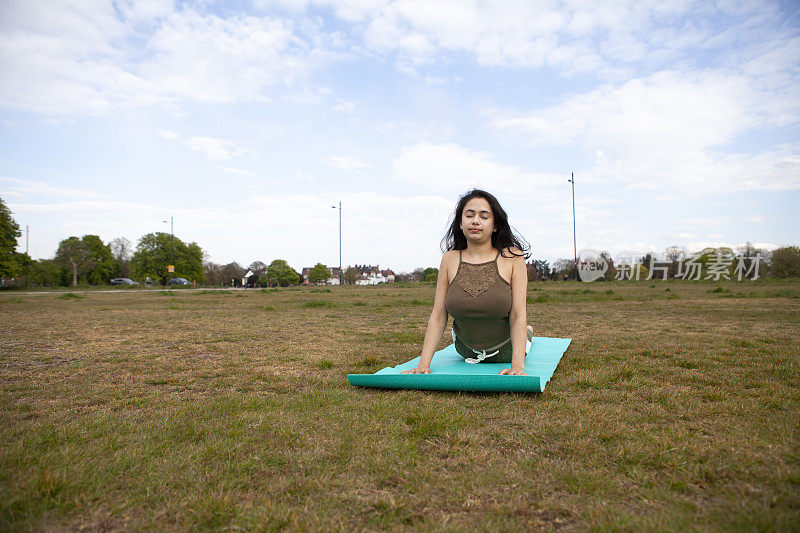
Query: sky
x,y
246,121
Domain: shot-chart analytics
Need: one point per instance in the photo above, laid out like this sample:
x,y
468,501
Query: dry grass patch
x,y
676,407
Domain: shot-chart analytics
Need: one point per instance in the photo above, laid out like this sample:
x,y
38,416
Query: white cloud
x,y
344,107
88,208
168,134
239,171
25,188
216,149
140,11
670,132
456,169
212,59
95,56
570,35
667,111
88,58
213,148
308,96
345,162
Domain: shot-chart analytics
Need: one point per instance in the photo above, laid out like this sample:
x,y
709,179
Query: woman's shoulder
x,y
512,253
450,257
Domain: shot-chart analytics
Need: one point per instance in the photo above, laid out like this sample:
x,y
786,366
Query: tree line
x,y
88,260
782,262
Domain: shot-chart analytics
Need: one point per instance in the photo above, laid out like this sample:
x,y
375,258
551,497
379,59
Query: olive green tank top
x,y
479,300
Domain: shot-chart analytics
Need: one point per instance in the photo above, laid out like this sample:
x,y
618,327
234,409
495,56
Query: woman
x,y
482,284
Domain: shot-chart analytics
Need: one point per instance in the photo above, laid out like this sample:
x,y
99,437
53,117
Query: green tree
x,y
279,273
429,275
785,262
155,252
103,266
9,232
48,273
350,275
319,273
74,254
88,258
191,264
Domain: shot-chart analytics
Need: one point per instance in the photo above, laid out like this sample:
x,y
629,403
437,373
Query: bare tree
x,y
232,274
612,270
673,254
747,249
122,250
563,268
538,269
257,265
213,272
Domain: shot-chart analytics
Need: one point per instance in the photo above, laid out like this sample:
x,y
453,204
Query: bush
x,y
785,262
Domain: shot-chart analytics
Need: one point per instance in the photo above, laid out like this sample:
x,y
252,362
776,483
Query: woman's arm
x,y
436,322
518,317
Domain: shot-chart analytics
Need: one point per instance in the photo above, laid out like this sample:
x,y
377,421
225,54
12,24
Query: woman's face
x,y
477,220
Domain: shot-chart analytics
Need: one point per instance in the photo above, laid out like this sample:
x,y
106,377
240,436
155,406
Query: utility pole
x,y
574,239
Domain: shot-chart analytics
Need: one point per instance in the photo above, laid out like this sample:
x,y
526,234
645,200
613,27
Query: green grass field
x,y
677,407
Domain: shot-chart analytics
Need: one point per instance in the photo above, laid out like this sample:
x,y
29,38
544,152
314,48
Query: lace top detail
x,y
479,300
475,279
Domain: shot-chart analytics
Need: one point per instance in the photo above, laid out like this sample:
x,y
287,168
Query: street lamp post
x,y
340,241
27,238
574,240
171,239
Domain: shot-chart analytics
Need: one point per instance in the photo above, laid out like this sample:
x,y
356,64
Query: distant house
x,y
250,278
388,274
365,275
372,275
333,278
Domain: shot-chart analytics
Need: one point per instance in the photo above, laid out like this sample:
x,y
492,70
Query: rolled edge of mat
x,y
448,382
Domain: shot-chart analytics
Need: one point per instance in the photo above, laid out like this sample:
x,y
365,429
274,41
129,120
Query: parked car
x,y
123,281
178,281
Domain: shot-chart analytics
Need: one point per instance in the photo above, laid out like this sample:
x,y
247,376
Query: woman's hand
x,y
417,370
513,372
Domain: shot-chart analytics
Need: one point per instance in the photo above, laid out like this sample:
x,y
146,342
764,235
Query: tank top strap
x,y
498,255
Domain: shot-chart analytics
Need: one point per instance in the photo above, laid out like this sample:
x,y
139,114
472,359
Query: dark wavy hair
x,y
502,239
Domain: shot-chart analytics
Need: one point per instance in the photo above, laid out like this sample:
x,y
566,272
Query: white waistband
x,y
481,353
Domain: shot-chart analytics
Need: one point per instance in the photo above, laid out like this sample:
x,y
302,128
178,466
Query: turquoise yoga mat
x,y
450,372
